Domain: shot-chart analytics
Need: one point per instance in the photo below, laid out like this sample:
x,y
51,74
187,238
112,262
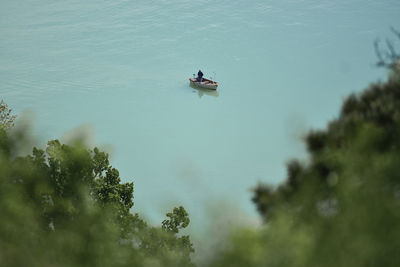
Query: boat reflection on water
x,y
202,91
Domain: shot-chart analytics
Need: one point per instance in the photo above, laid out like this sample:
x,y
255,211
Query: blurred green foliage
x,y
66,206
6,117
342,206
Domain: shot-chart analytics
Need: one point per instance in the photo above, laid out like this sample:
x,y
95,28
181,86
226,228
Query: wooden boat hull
x,y
205,83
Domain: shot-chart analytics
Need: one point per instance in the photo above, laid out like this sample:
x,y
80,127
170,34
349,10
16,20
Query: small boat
x,y
205,83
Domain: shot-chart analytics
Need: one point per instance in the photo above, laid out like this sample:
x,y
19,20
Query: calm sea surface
x,y
118,71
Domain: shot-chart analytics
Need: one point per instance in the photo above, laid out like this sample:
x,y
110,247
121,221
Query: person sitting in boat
x,y
199,76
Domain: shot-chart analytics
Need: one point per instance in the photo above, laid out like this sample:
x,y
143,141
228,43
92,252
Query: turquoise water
x,y
121,69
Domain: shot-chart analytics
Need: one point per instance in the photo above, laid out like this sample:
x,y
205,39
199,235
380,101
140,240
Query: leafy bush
x,y
342,207
66,206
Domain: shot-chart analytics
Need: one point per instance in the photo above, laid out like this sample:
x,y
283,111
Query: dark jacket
x,y
200,74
